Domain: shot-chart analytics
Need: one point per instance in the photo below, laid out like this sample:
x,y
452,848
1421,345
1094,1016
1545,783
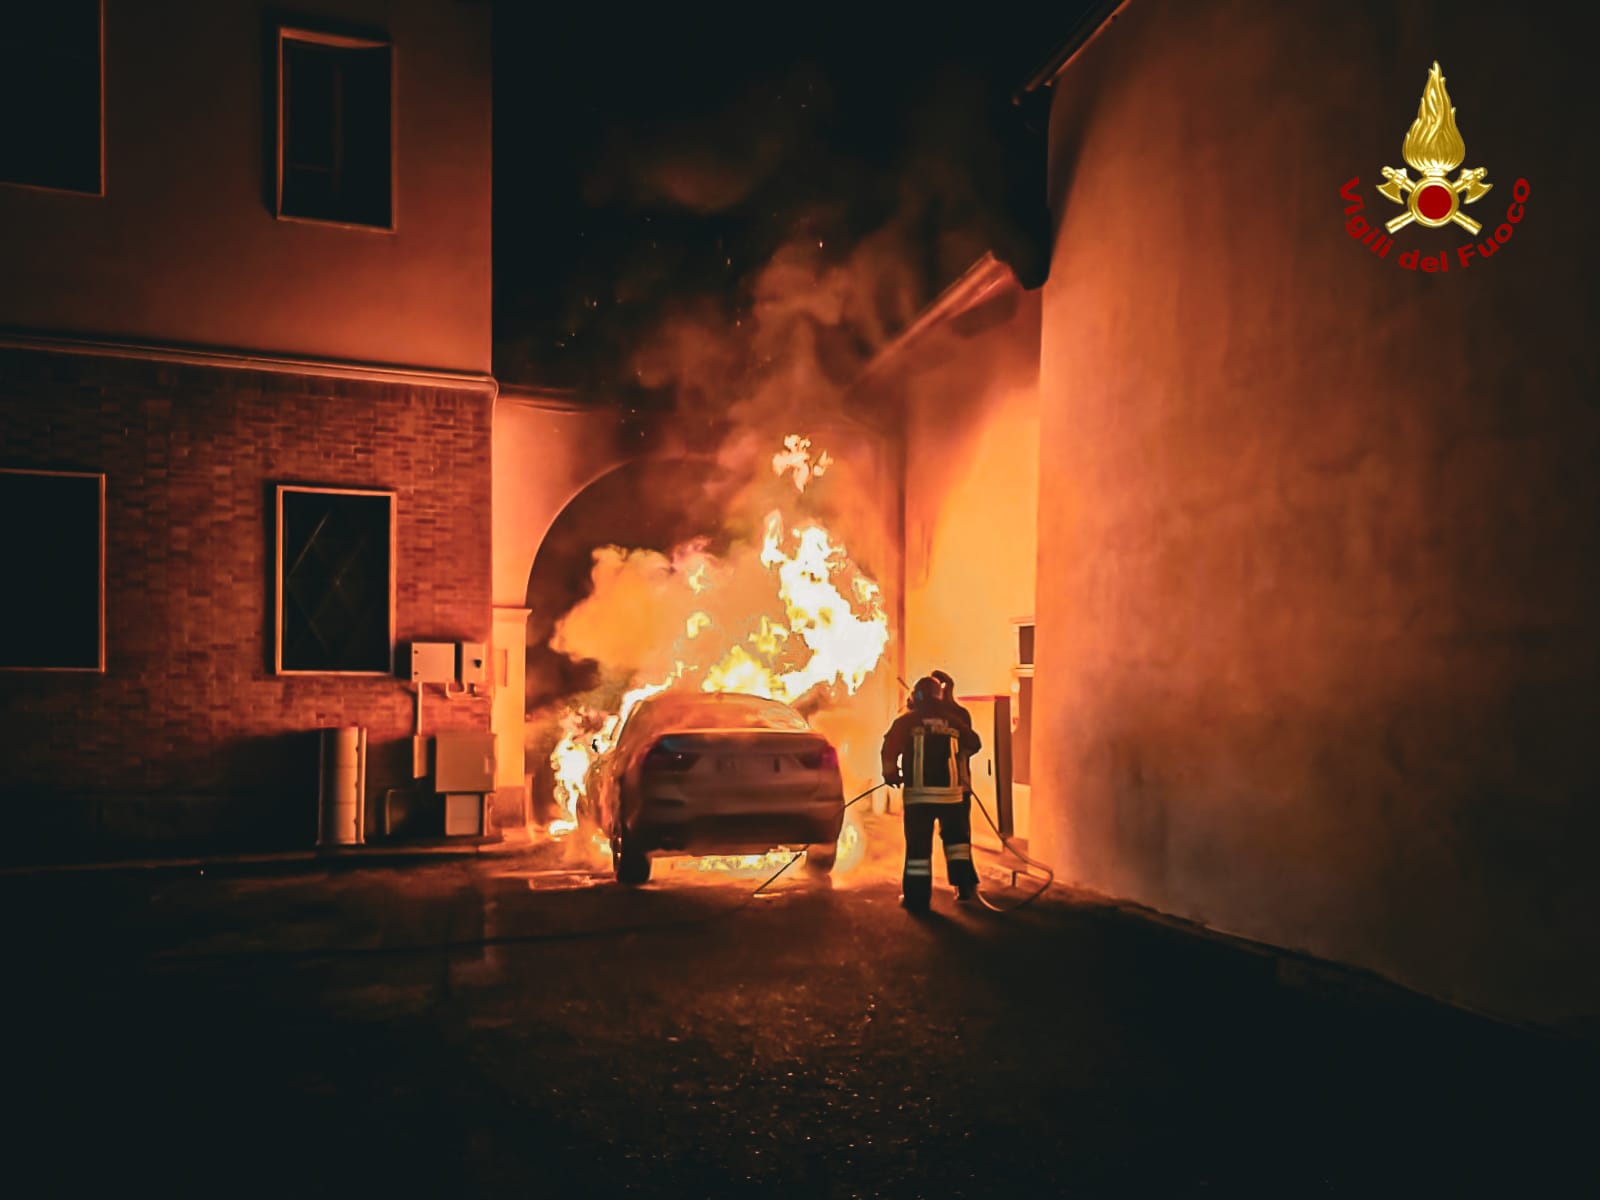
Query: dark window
x,y
50,95
335,580
52,608
1025,644
334,129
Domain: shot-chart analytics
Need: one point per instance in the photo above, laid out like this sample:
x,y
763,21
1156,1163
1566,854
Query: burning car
x,y
714,773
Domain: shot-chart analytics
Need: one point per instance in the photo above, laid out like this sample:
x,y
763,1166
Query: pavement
x,y
509,1021
517,840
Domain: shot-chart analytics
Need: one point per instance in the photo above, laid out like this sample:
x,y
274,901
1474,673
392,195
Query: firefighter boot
x,y
958,862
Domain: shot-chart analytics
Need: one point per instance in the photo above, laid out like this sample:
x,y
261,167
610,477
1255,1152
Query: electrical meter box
x,y
433,662
473,659
463,773
463,761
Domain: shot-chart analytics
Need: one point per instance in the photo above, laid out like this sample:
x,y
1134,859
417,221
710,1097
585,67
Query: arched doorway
x,y
652,504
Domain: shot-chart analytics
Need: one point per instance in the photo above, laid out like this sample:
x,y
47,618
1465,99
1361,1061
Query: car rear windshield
x,y
718,710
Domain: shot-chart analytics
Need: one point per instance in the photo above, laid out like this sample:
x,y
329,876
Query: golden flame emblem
x,y
1433,147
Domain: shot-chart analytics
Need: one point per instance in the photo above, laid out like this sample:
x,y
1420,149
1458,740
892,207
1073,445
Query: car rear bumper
x,y
747,832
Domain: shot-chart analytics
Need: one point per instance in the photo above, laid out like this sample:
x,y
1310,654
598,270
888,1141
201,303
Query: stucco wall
x,y
183,246
545,453
972,432
1317,574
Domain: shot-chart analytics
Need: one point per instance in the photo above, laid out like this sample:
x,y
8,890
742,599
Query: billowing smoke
x,y
650,614
781,236
774,257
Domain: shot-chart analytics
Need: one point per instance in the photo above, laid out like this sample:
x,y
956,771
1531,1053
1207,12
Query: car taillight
x,y
662,759
825,759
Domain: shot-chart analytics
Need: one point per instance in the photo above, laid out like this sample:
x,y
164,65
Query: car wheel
x,y
821,858
631,866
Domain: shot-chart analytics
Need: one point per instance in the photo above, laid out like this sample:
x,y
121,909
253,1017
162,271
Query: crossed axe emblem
x,y
1468,185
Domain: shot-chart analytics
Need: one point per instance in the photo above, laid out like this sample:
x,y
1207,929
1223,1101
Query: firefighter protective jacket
x,y
930,748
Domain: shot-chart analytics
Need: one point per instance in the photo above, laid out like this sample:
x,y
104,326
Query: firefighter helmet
x,y
925,692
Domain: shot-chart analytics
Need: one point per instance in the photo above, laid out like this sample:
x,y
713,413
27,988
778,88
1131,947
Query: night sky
x,y
650,168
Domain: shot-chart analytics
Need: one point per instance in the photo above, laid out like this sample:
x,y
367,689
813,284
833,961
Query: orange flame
x,y
844,645
852,846
825,630
795,458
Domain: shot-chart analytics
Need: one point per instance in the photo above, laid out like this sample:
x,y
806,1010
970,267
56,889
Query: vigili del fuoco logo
x,y
1433,148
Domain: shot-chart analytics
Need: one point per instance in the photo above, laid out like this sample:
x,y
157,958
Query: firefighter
x,y
927,751
947,694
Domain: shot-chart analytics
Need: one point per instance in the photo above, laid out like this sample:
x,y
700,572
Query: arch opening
x,y
645,504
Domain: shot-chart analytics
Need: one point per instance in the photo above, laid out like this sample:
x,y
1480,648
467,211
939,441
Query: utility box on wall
x,y
992,768
463,761
433,662
463,773
473,660
464,814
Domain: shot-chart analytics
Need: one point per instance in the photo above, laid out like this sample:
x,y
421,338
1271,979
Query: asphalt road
x,y
518,1025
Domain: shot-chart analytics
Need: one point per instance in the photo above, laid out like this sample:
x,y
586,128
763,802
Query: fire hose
x,y
1050,874
799,854
1005,841
585,934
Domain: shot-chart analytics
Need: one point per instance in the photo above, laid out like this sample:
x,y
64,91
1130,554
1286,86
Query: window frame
x,y
279,491
100,192
100,600
1022,673
300,33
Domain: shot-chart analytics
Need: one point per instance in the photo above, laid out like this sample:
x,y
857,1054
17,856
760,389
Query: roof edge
x,y
976,284
549,399
1091,27
185,354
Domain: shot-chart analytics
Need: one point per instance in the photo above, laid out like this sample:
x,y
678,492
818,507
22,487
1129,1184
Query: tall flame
x,y
1433,145
795,459
585,734
844,646
825,632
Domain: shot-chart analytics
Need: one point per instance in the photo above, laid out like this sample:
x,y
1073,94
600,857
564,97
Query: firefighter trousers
x,y
955,831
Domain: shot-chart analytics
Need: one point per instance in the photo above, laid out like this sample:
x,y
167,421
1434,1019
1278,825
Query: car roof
x,y
716,710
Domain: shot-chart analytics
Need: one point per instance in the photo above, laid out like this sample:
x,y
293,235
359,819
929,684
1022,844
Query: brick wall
x,y
189,738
